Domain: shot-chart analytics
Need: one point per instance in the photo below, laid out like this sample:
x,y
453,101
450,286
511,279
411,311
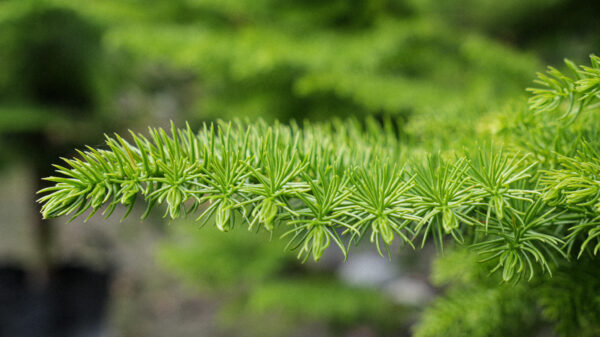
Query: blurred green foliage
x,y
571,299
51,74
258,282
475,304
419,59
248,262
317,60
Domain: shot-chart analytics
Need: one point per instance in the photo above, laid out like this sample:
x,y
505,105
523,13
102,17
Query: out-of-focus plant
x,y
255,282
475,303
296,60
51,80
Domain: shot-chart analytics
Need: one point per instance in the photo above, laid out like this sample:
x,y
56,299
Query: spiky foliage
x,y
333,183
560,133
522,238
313,181
570,181
579,89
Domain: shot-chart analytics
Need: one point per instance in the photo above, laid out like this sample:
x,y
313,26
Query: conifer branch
x,y
335,183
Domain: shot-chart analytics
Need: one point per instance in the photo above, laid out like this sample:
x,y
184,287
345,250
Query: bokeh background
x,y
72,70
